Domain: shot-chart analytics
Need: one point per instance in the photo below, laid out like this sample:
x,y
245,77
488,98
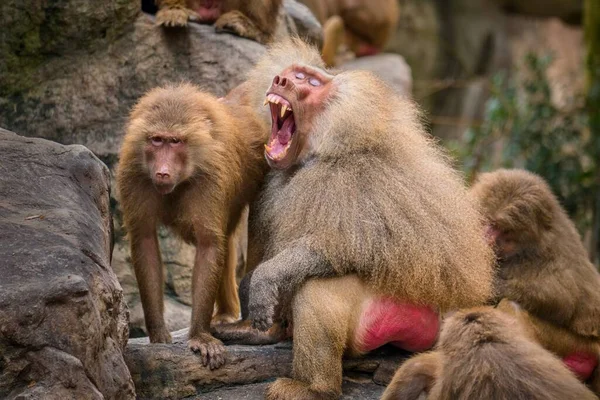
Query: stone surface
x,y
171,371
392,68
63,322
85,98
351,391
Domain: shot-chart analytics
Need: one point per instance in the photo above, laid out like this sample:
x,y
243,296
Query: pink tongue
x,y
285,133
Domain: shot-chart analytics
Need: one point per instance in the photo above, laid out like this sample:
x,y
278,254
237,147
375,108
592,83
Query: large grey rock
x,y
63,322
85,98
172,371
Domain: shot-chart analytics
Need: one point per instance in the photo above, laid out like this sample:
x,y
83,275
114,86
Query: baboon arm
x,y
278,279
414,378
549,296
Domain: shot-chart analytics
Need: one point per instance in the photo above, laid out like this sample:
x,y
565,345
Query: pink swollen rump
x,y
582,364
408,326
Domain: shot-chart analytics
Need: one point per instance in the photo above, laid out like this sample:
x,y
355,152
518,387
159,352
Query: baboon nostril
x,y
276,80
283,81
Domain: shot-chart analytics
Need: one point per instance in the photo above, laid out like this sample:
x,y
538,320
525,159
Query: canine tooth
x,y
283,110
266,101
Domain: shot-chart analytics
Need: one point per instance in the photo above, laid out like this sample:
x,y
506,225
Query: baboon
x,y
483,353
256,19
192,163
363,25
543,265
356,188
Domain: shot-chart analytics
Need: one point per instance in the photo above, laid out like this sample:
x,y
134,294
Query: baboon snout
x,y
282,82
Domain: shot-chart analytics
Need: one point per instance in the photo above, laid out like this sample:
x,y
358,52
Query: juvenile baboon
x,y
543,266
356,188
483,353
192,163
256,19
363,25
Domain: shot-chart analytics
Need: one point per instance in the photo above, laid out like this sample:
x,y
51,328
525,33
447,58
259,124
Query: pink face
x,y
296,96
503,243
166,158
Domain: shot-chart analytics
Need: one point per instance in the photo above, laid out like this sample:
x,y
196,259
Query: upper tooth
x,y
283,110
266,101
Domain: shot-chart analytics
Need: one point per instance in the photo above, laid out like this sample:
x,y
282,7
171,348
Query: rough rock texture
x,y
85,98
171,371
63,322
392,68
352,390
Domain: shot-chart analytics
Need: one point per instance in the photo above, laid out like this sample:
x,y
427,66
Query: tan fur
x,y
380,183
224,168
551,276
415,378
362,21
256,19
559,340
375,198
483,353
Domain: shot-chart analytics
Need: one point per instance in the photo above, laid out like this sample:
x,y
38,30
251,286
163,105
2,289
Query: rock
x,y
543,36
63,322
351,391
171,371
392,68
86,98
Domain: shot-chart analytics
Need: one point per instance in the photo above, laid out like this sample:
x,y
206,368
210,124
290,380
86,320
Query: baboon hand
x,y
261,307
212,350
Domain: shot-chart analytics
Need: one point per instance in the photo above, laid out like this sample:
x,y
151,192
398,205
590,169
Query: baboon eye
x,y
314,82
175,140
300,75
156,141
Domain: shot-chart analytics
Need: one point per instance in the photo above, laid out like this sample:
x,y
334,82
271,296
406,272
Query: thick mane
x,y
390,194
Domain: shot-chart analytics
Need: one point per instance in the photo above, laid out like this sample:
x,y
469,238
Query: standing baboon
x,y
483,353
543,266
357,188
192,163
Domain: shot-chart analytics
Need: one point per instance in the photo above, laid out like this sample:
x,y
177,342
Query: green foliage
x,y
522,128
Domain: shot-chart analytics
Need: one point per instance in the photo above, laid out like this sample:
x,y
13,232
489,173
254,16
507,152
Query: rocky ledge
x,y
171,371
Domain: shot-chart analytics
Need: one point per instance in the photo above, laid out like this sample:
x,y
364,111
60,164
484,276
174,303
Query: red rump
x,y
408,326
581,364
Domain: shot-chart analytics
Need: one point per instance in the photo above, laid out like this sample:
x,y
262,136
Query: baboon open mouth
x,y
283,128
